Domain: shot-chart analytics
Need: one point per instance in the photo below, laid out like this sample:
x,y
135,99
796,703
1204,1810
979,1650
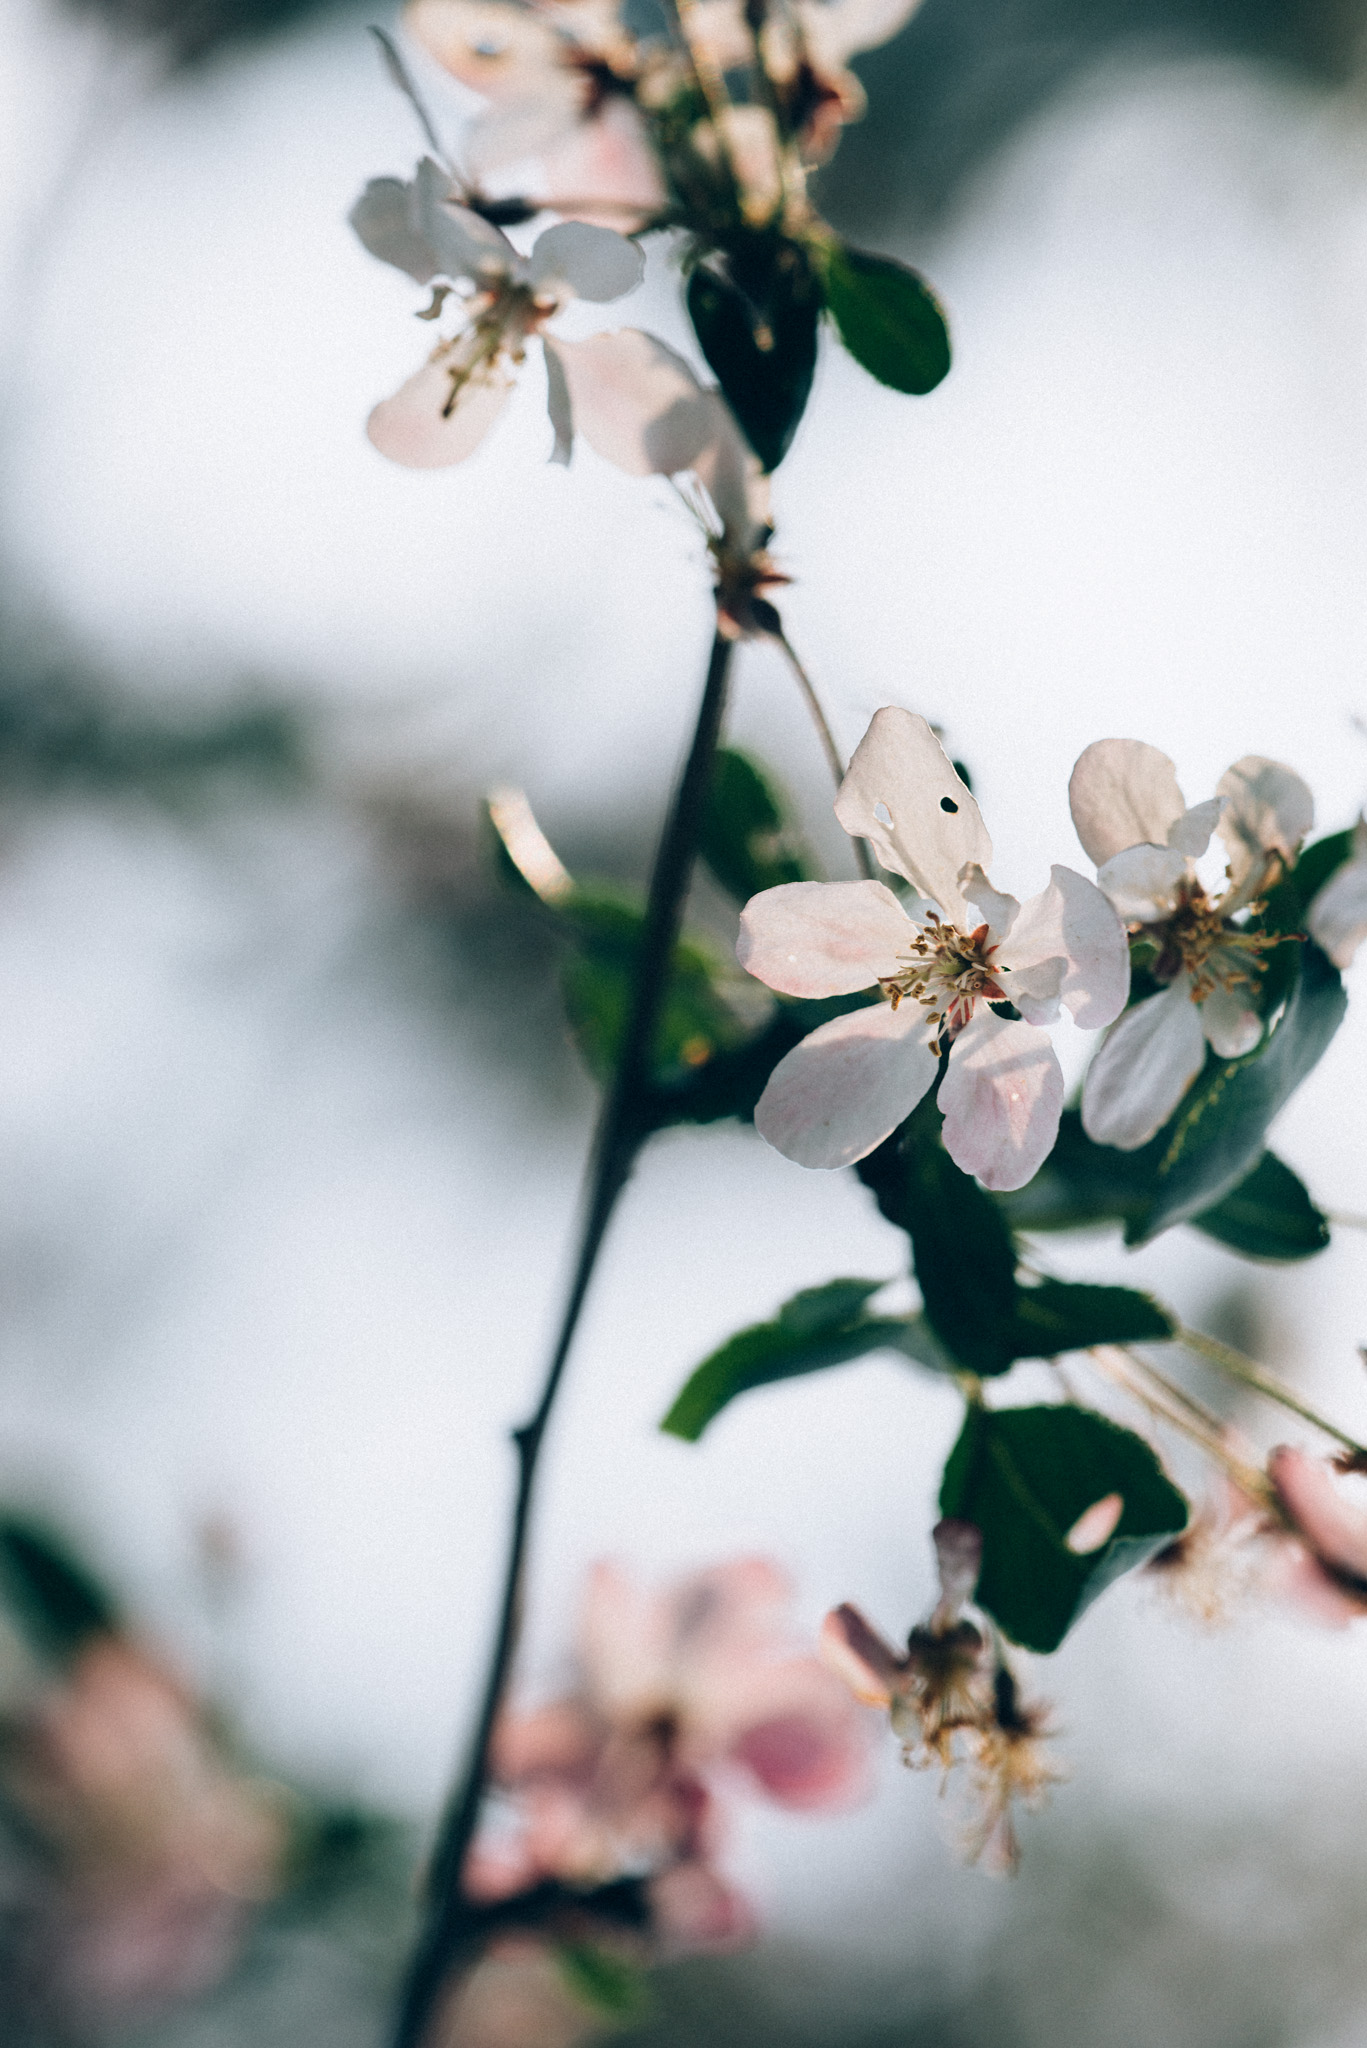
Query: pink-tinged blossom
x,y
1326,1572
158,1848
1135,823
940,964
681,1693
559,81
1338,914
444,411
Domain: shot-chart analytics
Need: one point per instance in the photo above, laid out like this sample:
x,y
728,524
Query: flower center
x,y
1196,939
948,972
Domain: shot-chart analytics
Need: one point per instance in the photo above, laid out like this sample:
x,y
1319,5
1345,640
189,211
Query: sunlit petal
x,y
1001,911
1270,810
1123,792
1002,1096
1143,1070
410,428
822,938
903,794
1229,1024
1190,834
492,46
1142,882
847,1086
1072,918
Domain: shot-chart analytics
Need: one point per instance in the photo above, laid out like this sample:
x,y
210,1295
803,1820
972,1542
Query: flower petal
x,y
1002,1096
409,427
605,170
533,124
847,1086
854,1650
383,220
1074,919
640,406
902,793
558,404
1229,1024
822,938
595,263
1270,810
1122,792
463,242
1001,911
1142,882
1141,1073
490,45
1338,914
836,29
1334,1528
1190,834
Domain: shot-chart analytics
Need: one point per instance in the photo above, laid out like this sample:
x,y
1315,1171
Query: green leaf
x,y
747,838
1067,1315
821,1326
598,978
961,1245
1216,1137
888,318
1269,1215
758,334
609,1984
1023,1477
56,1600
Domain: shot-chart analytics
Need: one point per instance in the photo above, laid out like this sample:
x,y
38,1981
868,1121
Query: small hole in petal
x,y
882,813
947,803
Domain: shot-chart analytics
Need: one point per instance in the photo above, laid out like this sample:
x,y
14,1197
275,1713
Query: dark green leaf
x,y
610,1984
1269,1215
1217,1135
965,1261
55,1599
888,318
747,839
598,977
1066,1315
1081,1183
1024,1476
821,1326
761,345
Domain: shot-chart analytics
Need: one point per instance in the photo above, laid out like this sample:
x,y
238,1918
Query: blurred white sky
x,y
292,1263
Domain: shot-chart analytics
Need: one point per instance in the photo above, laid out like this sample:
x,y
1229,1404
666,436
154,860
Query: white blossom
x,y
444,411
1134,821
940,964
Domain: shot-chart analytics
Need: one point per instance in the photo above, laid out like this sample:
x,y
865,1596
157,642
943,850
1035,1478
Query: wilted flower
x,y
1134,822
941,967
441,414
943,1683
679,1691
159,1849
1009,1765
1221,1557
1338,914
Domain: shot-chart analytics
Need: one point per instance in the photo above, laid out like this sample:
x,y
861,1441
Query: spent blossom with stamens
x,y
953,1701
441,415
940,965
942,1685
1134,821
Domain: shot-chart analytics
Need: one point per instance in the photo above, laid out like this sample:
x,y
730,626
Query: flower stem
x,y
1250,1374
827,738
446,1937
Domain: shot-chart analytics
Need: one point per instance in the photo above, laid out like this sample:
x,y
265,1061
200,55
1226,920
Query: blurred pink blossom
x,y
681,1692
